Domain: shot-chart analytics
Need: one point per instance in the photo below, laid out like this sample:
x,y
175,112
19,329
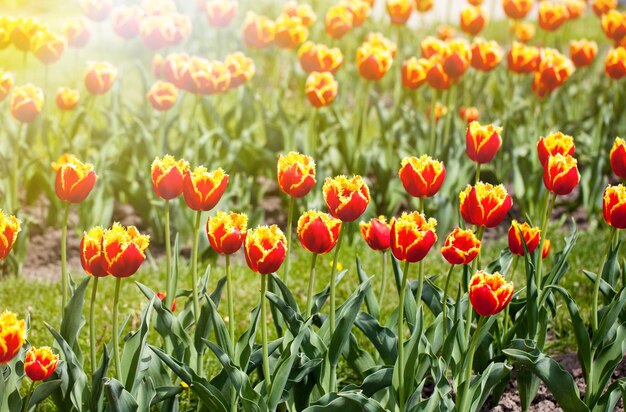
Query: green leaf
x,y
120,400
610,355
98,380
352,401
41,392
73,320
370,299
134,360
383,339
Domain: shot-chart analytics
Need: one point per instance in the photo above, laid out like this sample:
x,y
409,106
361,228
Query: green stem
x,y
231,303
468,370
116,343
383,279
194,282
505,327
287,265
433,123
309,295
266,360
451,113
475,266
333,280
596,286
168,258
477,178
64,280
92,324
401,336
31,388
313,132
445,302
545,219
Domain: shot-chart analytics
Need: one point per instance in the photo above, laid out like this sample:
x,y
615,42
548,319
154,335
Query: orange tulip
x,y
258,31
560,174
489,293
554,69
124,250
338,21
26,103
241,68
517,9
99,77
202,190
484,204
414,72
289,32
209,77
318,231
47,46
412,236
399,11
461,247
482,142
423,5
552,144
265,249
552,15
167,176
524,32
615,63
40,363
614,25
372,61
377,40
125,21
582,52
360,10
176,70
546,249
346,198
23,31
618,158
423,176
96,10
436,76
439,111
91,253
432,46
445,32
162,295
67,99
221,13
601,7
296,174
6,83
12,336
319,58
226,232
469,114
302,11
321,88
523,59
376,233
456,58
9,228
529,234
162,95
74,179
473,20
486,55
575,8
475,2
76,32
614,206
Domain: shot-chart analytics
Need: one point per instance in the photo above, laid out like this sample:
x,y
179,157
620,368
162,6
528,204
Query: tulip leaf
x,y
347,401
285,292
609,320
608,401
560,264
383,339
98,380
481,386
119,399
609,356
73,321
134,361
607,290
145,393
245,344
370,299
410,305
41,392
321,297
431,295
221,332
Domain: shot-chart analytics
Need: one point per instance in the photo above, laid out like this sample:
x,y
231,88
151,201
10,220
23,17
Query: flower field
x,y
333,205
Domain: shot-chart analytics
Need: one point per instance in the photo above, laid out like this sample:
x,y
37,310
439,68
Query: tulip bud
x,y
296,174
96,10
414,72
265,248
615,64
226,232
461,247
221,13
489,293
321,88
339,20
162,295
74,179
423,176
618,158
12,336
162,95
26,103
99,77
601,7
258,31
399,11
520,234
473,20
482,142
125,21
445,32
124,250
546,249
376,233
9,228
524,32
614,206
167,176
67,99
582,52
412,236
346,198
289,32
202,189
91,253
484,204
40,363
560,174
552,144
517,9
469,114
318,231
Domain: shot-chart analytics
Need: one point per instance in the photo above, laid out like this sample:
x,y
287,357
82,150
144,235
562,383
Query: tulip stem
x,y
475,266
333,280
64,280
194,281
470,361
16,166
29,395
266,360
405,273
168,258
545,219
116,338
92,329
445,302
451,97
596,286
313,132
309,295
433,123
505,327
287,266
477,179
231,304
383,279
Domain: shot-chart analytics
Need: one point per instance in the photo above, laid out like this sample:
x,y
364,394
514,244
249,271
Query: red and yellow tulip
x,y
482,142
461,247
412,236
618,158
614,206
296,174
9,228
265,249
346,198
520,234
67,98
321,89
99,77
423,176
560,174
554,143
202,190
40,363
318,231
167,176
26,102
124,250
485,204
376,233
12,336
489,293
615,63
74,179
91,252
226,232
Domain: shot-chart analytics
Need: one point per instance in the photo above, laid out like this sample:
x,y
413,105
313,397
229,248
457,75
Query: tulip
x,y
614,25
296,174
615,64
226,232
469,114
475,2
157,32
67,99
436,114
473,20
40,363
414,72
258,31
484,204
436,76
412,236
74,179
76,32
338,21
47,46
461,247
96,10
530,236
26,102
523,59
582,52
423,5
552,144
445,32
373,62
486,55
123,250
399,11
482,142
302,11
601,7
176,70
360,10
6,83
12,336
376,233
431,46
162,295
319,58
377,40
489,293
24,29
318,232
554,69
618,158
552,15
289,32
212,78
321,89
99,77
241,68
162,95
202,189
91,253
614,206
423,176
517,9
265,249
9,228
560,174
546,248
6,28
524,32
167,176
575,8
221,13
158,7
125,21
346,198
456,58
